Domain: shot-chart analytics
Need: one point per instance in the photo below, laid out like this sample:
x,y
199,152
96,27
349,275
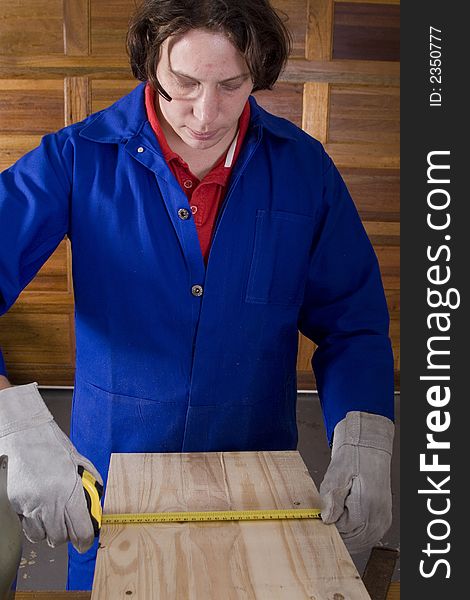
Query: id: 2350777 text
x,y
435,66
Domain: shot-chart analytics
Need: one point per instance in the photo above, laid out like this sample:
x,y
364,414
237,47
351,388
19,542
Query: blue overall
x,y
174,356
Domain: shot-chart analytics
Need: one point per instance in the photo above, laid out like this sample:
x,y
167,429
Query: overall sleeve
x,y
34,215
345,312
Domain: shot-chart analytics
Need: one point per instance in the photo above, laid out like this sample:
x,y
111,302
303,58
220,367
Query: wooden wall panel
x,y
365,114
60,60
376,192
109,26
12,147
77,28
285,101
43,338
295,14
365,31
104,92
351,104
319,30
31,27
31,106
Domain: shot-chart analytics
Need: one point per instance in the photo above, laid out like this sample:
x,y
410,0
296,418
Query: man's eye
x,y
187,84
231,88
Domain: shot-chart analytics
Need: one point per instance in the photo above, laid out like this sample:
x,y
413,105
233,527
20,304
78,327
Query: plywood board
x,y
294,559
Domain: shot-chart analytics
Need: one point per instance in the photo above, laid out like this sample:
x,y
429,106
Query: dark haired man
x,y
205,233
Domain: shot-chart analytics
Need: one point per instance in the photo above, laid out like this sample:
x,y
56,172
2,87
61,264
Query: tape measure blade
x,y
200,516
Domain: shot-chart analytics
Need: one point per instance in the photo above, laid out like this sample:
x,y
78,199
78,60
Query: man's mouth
x,y
201,136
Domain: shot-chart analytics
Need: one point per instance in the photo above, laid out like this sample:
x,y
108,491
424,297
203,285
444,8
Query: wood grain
x,y
393,594
367,1
12,147
285,100
28,339
39,66
77,99
293,559
365,114
294,14
77,27
30,106
364,155
316,110
28,28
366,31
319,33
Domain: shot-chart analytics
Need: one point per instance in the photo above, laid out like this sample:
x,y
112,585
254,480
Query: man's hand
x,y
356,493
43,481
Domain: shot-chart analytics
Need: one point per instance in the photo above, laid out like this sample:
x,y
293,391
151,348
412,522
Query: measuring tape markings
x,y
224,515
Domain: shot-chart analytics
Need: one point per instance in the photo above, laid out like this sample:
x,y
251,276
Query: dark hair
x,y
252,26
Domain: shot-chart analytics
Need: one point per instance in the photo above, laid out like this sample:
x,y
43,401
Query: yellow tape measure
x,y
94,491
219,515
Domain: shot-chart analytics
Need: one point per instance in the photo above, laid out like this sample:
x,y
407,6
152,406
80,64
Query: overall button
x,y
183,214
196,290
140,149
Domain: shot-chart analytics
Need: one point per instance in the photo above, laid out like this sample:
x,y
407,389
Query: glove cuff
x,y
22,407
364,429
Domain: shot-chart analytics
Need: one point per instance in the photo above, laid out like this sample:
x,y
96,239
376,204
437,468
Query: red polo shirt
x,y
205,195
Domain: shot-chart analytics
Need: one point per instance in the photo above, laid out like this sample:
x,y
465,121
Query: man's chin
x,y
200,144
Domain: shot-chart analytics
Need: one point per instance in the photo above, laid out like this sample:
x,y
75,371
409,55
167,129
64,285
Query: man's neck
x,y
200,162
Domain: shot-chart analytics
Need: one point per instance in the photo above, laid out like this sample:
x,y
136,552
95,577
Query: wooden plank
x,y
367,72
365,31
365,114
30,27
117,67
367,1
285,100
294,14
319,30
110,19
264,560
367,156
13,147
77,99
394,591
77,27
316,110
30,339
393,594
376,193
104,92
30,106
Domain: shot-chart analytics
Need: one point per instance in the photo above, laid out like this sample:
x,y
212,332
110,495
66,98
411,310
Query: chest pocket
x,y
280,258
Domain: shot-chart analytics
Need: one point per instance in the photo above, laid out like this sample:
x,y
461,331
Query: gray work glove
x,y
355,492
43,481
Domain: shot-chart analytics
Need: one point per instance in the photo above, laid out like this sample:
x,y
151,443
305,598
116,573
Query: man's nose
x,y
206,107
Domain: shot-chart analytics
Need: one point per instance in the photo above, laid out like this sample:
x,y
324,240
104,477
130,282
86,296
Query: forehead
x,y
201,53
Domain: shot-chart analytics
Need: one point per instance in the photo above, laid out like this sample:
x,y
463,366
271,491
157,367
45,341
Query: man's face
x,y
209,82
